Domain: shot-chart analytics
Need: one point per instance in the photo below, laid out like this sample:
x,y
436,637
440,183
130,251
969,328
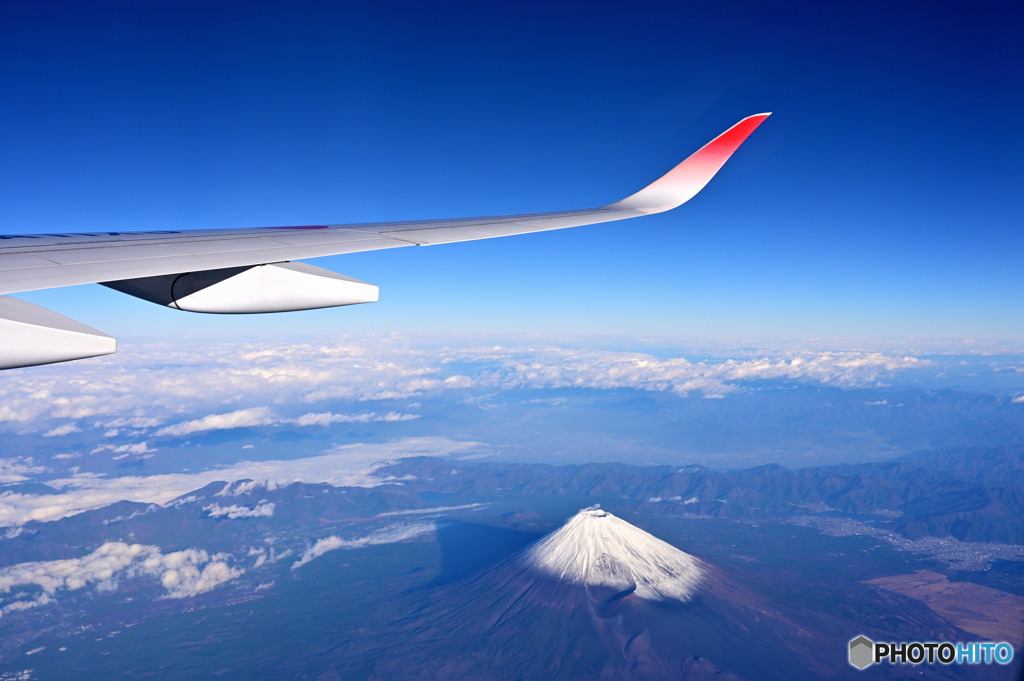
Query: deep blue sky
x,y
882,199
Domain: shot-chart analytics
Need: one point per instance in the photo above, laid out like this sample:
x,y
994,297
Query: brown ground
x,y
993,614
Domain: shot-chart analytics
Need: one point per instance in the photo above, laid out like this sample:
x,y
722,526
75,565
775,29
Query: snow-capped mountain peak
x,y
613,558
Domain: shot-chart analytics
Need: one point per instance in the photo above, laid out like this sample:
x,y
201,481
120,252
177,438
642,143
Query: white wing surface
x,y
244,271
37,261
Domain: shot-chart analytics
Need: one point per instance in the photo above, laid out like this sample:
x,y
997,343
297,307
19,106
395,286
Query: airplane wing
x,y
249,270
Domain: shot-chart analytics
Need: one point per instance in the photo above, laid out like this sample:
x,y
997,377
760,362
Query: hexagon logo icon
x,y
862,652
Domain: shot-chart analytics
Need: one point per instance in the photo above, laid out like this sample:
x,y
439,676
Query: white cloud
x,y
1019,399
185,383
262,510
126,449
8,414
242,418
182,573
138,422
548,368
346,465
18,469
424,511
66,429
135,514
390,535
241,487
327,418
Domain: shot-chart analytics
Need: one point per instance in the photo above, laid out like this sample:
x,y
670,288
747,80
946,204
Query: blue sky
x,y
882,198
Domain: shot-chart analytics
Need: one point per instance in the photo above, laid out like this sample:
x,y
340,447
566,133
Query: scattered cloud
x,y
436,509
135,514
262,510
8,414
182,573
241,487
327,418
390,535
242,418
550,401
125,450
18,469
65,429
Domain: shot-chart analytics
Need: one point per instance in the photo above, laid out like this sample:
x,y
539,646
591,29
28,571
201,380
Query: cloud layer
x,y
348,465
179,390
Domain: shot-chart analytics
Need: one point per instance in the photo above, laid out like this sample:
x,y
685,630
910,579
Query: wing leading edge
x,y
38,261
245,271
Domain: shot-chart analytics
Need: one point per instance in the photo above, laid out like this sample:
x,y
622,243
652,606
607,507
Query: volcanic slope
x,y
600,598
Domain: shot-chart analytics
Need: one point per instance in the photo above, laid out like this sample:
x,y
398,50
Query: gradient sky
x,y
882,198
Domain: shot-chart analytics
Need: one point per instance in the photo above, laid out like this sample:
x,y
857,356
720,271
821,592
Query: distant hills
x,y
978,498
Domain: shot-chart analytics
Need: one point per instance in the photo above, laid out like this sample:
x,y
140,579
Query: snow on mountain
x,y
613,559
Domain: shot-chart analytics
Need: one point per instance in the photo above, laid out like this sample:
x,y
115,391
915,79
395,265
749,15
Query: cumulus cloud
x,y
390,535
344,465
262,510
182,573
241,487
242,418
18,469
8,414
126,449
65,429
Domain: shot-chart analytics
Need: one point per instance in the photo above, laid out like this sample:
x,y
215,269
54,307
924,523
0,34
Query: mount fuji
x,y
614,559
600,598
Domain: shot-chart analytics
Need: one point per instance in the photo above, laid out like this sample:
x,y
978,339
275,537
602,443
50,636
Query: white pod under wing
x,y
278,287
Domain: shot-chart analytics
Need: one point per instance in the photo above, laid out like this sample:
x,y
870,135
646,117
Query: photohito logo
x,y
865,652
